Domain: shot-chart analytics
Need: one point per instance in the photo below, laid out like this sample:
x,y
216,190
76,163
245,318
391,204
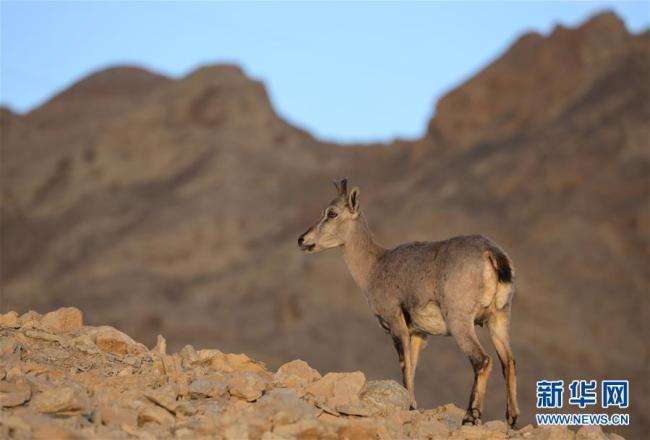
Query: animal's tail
x,y
505,288
502,265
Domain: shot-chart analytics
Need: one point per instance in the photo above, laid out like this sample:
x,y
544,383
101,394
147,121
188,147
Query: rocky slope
x,y
61,379
171,206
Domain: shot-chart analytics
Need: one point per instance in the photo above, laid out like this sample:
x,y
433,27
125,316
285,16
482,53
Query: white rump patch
x,y
428,319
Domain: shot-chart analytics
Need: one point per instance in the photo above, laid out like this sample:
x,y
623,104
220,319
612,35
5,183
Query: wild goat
x,y
427,288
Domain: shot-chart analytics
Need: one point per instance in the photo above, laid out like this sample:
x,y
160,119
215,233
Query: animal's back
x,y
427,278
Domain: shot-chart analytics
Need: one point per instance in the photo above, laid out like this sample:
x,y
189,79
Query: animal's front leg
x,y
402,338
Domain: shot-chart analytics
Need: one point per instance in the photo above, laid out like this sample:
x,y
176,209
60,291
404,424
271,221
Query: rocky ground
x,y
61,379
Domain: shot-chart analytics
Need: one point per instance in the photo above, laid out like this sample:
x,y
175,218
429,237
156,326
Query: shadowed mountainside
x,y
173,206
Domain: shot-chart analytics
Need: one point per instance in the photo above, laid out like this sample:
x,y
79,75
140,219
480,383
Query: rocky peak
x,y
106,93
7,116
533,82
220,95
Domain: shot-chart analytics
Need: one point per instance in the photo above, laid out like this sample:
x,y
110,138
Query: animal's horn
x,y
336,185
343,190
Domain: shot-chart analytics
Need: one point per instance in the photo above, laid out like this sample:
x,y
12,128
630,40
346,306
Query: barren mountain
x,y
173,206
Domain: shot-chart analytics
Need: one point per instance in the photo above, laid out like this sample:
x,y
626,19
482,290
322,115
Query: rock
x,y
613,436
496,425
590,433
296,374
155,414
14,394
230,362
85,344
8,346
337,389
63,320
185,433
189,356
45,336
246,385
9,319
303,429
479,432
385,395
51,384
109,339
236,431
554,433
164,396
429,429
52,431
452,413
60,400
357,431
205,387
161,345
30,319
117,415
283,406
14,423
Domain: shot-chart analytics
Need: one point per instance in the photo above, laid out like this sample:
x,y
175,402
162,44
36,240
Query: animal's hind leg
x,y
397,343
498,325
468,342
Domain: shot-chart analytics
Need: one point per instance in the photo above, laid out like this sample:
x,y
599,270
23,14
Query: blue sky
x,y
344,71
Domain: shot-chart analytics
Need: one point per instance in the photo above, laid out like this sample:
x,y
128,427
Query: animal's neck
x,y
361,253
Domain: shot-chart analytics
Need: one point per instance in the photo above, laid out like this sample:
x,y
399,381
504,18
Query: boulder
x,y
111,340
154,414
9,319
230,362
14,394
283,406
208,387
30,319
8,345
112,414
590,433
189,356
247,385
60,400
63,320
337,389
296,374
164,396
554,433
385,395
497,425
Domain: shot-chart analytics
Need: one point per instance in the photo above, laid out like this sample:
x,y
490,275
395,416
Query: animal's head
x,y
337,219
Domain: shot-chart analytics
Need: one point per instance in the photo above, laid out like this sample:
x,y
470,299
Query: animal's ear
x,y
353,200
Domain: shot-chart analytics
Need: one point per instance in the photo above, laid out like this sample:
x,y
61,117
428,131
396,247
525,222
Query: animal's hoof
x,y
472,417
413,405
512,421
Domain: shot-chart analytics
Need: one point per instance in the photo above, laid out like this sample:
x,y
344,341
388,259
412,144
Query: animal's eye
x,y
331,214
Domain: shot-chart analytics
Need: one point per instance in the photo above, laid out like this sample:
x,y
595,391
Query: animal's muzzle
x,y
302,245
